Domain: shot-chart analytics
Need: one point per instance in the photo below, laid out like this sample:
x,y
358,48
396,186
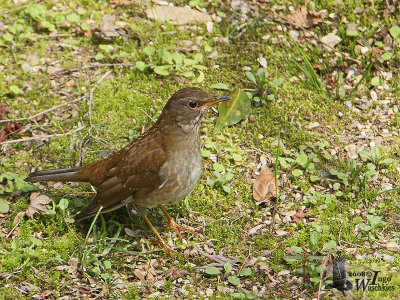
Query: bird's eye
x,y
193,104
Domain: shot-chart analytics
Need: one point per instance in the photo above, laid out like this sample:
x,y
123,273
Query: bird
x,y
339,276
160,167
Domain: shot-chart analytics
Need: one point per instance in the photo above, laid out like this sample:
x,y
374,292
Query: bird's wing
x,y
134,168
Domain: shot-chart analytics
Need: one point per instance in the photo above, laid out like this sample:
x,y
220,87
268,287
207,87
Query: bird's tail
x,y
54,175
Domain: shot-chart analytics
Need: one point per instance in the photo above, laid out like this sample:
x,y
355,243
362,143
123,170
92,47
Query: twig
x,y
147,114
41,137
295,113
43,112
12,230
94,67
12,10
90,102
55,36
320,278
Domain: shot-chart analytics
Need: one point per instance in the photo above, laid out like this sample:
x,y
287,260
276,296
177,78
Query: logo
x,y
360,281
372,281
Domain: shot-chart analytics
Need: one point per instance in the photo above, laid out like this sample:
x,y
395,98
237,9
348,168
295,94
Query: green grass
x,y
64,257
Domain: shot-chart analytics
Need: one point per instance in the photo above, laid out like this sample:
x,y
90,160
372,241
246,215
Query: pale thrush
x,y
161,166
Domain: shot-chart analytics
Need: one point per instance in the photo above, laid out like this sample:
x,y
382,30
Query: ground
x,y
319,142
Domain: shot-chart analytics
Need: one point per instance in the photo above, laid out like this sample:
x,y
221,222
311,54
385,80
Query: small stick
x,y
295,113
90,102
94,67
43,112
40,137
147,114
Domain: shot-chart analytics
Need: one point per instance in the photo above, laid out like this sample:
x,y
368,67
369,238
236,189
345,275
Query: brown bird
x,y
161,166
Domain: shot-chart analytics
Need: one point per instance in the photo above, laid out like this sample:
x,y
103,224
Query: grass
x,y
108,255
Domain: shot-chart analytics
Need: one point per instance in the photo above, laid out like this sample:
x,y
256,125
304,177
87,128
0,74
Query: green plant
x,y
221,178
261,93
358,176
98,246
164,63
309,260
35,17
231,277
371,229
311,79
9,183
62,207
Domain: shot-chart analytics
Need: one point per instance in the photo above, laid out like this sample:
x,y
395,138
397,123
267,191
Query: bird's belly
x,y
178,181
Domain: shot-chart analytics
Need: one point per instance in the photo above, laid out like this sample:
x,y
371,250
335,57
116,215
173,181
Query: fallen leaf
x,y
108,29
177,15
176,273
283,273
311,125
280,232
331,39
8,130
392,246
37,205
114,4
264,187
18,217
299,215
305,19
256,228
4,109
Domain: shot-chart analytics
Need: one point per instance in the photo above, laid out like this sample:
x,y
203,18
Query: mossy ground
x,y
49,257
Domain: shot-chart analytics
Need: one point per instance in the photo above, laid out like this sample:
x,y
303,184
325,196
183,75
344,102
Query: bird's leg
x,y
159,238
176,227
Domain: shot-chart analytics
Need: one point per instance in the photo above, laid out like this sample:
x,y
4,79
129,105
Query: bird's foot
x,y
176,227
166,248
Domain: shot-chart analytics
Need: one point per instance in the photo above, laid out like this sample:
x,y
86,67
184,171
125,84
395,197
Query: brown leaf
x,y
305,19
18,217
37,205
264,187
176,273
299,215
114,4
177,15
4,109
8,130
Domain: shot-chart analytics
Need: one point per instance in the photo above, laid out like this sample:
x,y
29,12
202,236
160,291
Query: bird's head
x,y
187,106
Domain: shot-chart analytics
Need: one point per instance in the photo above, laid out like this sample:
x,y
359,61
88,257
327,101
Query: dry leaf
x,y
177,15
18,217
4,109
256,228
392,246
281,232
331,39
176,273
264,187
283,273
305,19
8,130
38,204
107,28
300,214
114,4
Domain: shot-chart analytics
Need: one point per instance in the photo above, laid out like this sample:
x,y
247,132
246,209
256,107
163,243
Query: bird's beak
x,y
216,99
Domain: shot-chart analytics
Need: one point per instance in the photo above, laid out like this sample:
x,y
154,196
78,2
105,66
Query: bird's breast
x,y
179,175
